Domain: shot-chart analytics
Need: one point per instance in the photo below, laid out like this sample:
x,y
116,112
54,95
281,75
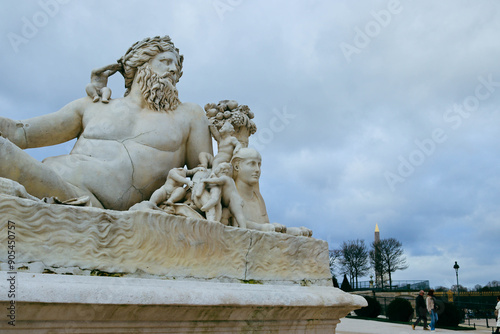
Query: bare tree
x,y
391,256
459,287
334,255
493,285
353,257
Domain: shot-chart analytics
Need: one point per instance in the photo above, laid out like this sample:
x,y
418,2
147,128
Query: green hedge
x,y
372,310
400,310
450,316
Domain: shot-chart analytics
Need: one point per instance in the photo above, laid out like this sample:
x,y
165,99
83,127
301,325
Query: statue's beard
x,y
159,92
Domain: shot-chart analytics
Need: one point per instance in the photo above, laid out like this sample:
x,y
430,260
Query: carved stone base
x,y
82,240
81,304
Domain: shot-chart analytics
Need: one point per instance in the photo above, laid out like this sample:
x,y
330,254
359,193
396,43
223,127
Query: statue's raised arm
x,y
97,89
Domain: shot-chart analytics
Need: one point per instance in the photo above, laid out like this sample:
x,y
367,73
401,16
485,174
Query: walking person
x,y
431,308
421,310
497,311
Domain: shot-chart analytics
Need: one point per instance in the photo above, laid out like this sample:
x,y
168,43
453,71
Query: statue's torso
x,y
255,209
124,153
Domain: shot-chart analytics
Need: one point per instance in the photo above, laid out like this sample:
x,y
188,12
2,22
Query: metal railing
x,y
406,285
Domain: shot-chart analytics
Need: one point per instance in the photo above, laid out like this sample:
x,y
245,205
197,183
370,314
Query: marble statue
x,y
131,152
125,148
142,198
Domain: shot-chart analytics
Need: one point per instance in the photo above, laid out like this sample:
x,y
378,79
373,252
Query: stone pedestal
x,y
79,240
80,304
166,274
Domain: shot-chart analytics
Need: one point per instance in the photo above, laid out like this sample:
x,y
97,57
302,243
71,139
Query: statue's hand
x,y
199,169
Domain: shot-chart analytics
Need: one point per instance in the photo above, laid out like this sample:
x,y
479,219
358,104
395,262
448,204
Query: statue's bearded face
x,y
157,80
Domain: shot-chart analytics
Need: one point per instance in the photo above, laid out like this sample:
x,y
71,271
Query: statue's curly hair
x,y
142,52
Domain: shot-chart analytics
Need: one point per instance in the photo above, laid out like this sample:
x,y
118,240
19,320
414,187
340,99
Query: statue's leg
x,y
218,213
215,193
92,92
106,94
177,195
210,214
159,196
226,217
38,179
206,159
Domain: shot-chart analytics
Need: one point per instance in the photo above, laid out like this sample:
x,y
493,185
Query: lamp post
x,y
456,266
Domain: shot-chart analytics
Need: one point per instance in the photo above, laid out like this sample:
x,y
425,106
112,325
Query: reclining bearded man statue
x,y
124,149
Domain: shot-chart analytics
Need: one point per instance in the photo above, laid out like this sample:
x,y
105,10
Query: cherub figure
x,y
173,190
222,191
97,88
210,200
226,143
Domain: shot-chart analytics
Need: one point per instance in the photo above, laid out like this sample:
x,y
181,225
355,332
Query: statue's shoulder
x,y
81,102
79,105
191,107
192,110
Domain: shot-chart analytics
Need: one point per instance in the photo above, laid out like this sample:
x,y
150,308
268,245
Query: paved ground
x,y
356,326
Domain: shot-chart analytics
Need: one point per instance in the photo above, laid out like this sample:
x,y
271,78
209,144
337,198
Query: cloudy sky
x,y
368,112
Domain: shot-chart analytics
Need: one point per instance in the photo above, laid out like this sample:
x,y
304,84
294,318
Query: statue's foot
x,y
105,101
279,228
305,231
96,98
299,231
207,207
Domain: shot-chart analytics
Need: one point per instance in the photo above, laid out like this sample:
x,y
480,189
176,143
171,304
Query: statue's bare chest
x,y
127,125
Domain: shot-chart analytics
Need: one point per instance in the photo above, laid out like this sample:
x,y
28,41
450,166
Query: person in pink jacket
x,y
497,308
431,308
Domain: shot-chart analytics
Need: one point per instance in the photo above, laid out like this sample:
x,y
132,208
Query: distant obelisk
x,y
378,264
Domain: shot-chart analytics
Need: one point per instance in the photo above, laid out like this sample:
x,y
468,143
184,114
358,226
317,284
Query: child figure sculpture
x,y
97,88
173,190
222,191
210,200
227,145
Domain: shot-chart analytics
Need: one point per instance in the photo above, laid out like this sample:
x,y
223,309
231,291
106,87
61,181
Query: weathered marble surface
x,y
146,243
68,304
